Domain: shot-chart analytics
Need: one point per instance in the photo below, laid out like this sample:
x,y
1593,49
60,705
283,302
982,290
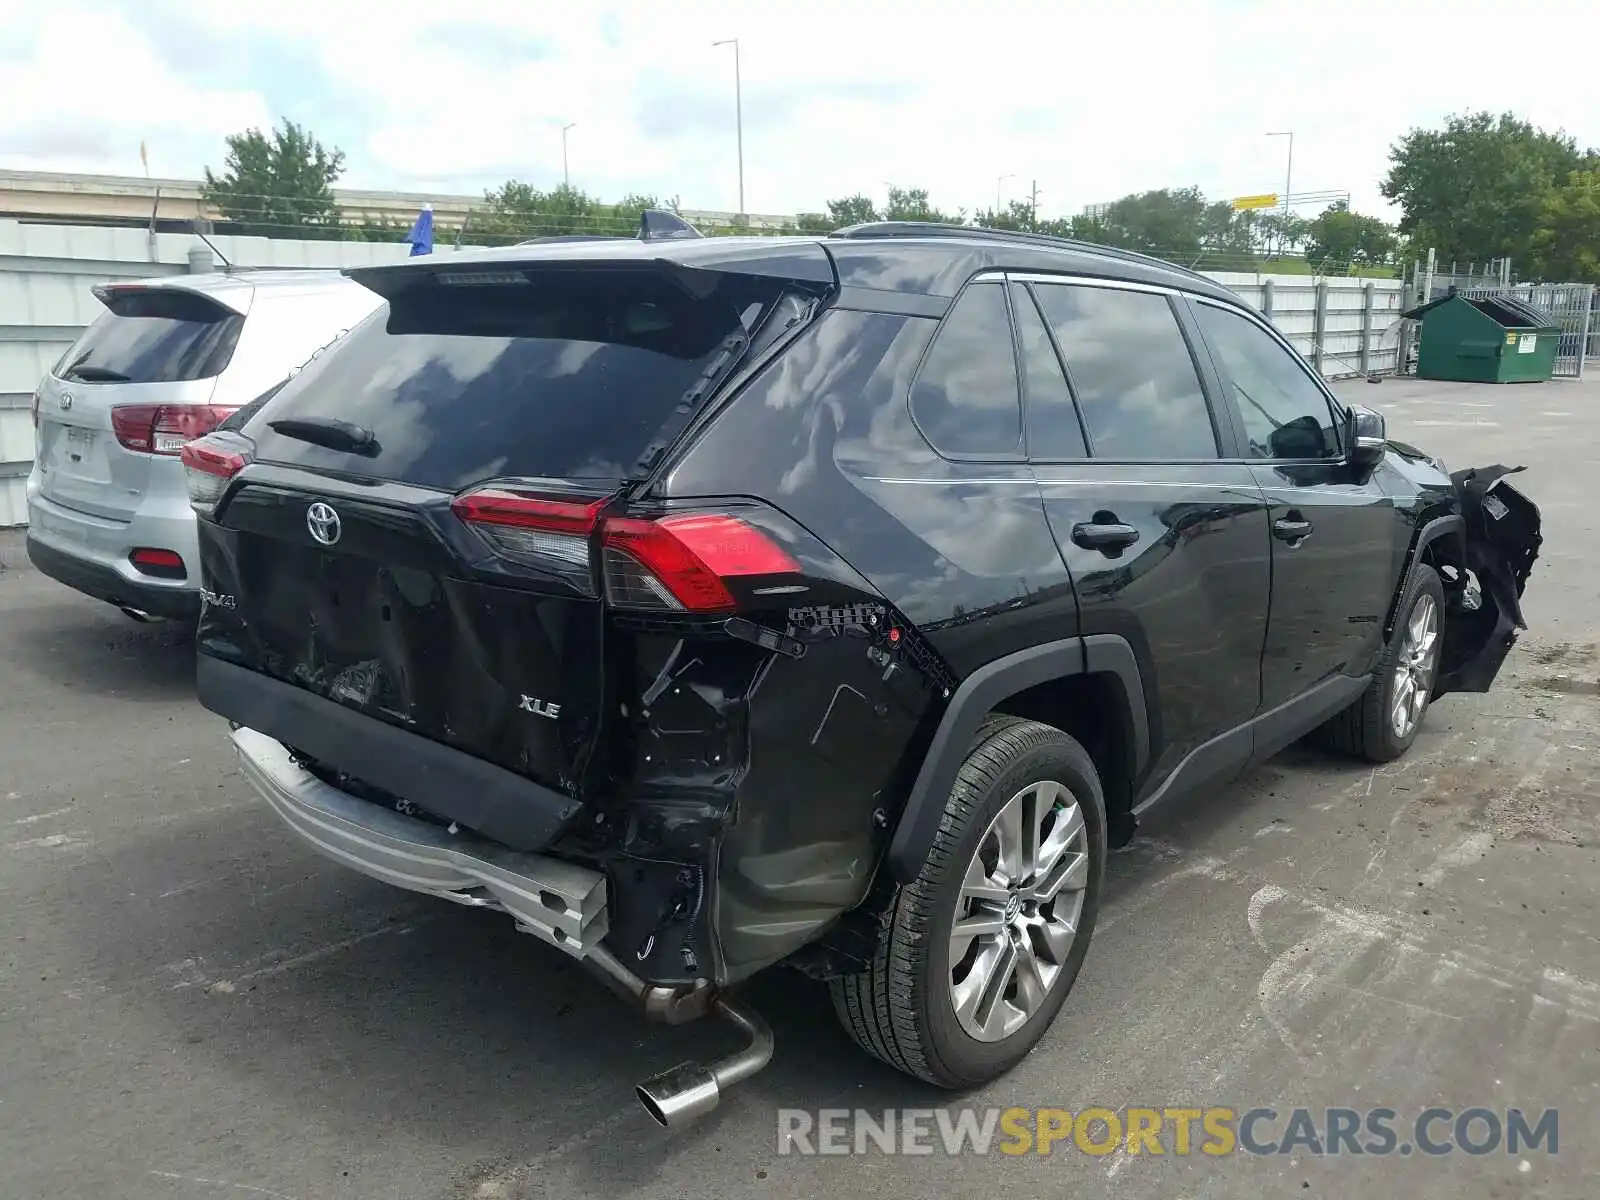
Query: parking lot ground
x,y
193,1005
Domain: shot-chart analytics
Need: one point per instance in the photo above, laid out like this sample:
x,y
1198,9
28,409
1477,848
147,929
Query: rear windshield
x,y
571,376
154,335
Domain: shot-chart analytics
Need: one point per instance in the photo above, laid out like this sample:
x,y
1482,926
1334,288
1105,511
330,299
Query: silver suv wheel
x,y
1415,664
1017,911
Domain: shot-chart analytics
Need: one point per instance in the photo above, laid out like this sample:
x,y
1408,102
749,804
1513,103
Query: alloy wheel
x,y
1018,911
1415,665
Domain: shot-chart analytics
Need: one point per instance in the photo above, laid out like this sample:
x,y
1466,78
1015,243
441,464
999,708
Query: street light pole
x,y
997,184
1288,174
566,179
738,113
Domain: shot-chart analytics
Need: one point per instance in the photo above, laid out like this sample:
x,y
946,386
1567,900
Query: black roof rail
x,y
878,229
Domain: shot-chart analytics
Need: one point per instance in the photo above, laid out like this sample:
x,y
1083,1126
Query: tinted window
x,y
965,397
1131,369
1285,413
573,375
1053,428
154,335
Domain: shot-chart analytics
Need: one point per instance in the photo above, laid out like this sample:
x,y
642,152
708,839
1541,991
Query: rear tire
x,y
1372,728
959,1009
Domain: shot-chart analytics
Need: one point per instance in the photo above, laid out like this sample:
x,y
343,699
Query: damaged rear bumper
x,y
559,902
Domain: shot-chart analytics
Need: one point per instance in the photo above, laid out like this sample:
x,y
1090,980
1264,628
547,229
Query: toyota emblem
x,y
324,523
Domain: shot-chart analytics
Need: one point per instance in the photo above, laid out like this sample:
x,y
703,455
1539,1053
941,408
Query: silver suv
x,y
166,362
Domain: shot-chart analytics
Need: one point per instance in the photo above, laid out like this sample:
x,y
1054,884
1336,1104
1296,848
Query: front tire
x,y
977,954
1383,723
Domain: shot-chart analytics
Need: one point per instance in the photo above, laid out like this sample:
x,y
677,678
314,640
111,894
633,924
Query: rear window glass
x,y
572,375
154,335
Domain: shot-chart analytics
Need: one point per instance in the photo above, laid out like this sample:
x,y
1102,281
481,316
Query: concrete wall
x,y
1345,326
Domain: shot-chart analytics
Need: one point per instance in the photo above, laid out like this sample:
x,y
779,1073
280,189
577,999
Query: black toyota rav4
x,y
712,603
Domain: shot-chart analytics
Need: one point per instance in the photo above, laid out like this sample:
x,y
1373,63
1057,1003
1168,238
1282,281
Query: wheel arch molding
x,y
1449,525
979,694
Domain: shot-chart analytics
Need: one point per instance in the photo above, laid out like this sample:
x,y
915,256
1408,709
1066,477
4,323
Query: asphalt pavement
x,y
193,1005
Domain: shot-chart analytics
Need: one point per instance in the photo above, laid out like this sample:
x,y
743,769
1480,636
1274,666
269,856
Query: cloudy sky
x,y
1092,100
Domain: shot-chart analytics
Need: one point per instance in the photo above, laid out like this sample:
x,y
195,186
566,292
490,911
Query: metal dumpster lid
x,y
1512,313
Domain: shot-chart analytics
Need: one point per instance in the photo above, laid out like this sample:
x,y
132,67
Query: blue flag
x,y
421,235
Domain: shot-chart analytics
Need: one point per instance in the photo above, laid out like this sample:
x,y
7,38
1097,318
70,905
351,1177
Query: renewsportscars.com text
x,y
1214,1131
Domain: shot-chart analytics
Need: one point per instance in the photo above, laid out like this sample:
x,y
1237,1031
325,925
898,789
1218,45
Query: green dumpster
x,y
1496,339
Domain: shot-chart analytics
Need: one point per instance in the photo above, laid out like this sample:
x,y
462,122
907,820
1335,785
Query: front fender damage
x,y
1500,545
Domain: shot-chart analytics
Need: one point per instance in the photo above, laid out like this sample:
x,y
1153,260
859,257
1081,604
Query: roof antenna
x,y
659,225
226,265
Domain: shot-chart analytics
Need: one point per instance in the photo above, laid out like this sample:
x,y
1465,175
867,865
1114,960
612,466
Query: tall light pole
x,y
566,179
997,184
738,113
1288,174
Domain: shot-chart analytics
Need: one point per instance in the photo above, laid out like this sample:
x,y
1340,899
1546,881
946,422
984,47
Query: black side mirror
x,y
1367,437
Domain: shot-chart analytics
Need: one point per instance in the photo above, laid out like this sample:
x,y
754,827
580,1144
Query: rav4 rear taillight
x,y
210,463
164,428
679,563
674,563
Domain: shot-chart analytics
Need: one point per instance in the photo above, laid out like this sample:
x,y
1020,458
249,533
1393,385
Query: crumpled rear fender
x,y
1500,543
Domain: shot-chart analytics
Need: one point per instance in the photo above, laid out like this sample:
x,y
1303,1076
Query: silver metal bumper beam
x,y
558,902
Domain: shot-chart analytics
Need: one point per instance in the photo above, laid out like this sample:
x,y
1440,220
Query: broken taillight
x,y
675,563
210,463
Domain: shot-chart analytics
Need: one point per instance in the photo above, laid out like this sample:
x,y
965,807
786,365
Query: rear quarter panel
x,y
957,558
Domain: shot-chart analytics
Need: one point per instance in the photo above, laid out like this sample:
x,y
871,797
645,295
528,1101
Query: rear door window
x,y
1130,366
572,374
1285,413
154,335
1053,428
965,398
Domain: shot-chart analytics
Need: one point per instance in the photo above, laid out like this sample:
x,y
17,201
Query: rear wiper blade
x,y
330,432
87,374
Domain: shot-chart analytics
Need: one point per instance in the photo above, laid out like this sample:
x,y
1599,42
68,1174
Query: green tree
x,y
1281,232
1168,223
1228,238
517,211
279,184
852,210
911,204
1475,189
1340,240
1566,244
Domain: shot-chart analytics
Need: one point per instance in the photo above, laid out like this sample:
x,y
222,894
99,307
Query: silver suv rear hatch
x,y
138,382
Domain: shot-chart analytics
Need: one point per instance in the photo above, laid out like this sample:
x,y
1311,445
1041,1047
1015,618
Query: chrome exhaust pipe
x,y
691,1090
138,615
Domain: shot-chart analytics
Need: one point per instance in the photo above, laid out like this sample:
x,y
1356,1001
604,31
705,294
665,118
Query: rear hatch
x,y
135,385
415,524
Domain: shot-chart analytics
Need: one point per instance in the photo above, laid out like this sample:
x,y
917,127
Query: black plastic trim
x,y
1259,738
973,700
487,799
103,583
900,304
1431,531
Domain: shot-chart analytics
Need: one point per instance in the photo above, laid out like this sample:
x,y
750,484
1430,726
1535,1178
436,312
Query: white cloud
x,y
1089,99
83,87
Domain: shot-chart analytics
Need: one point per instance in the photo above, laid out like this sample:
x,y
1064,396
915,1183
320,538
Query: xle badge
x,y
539,708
